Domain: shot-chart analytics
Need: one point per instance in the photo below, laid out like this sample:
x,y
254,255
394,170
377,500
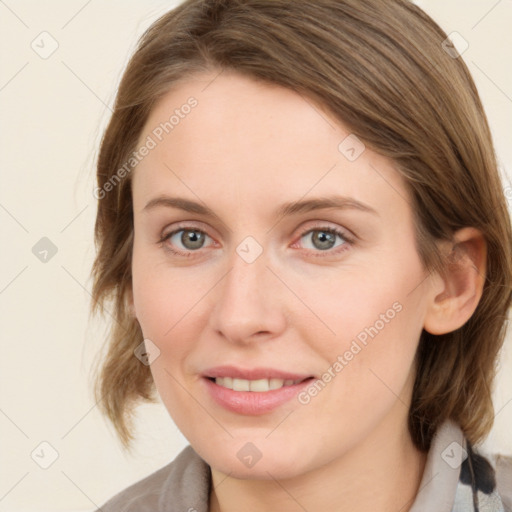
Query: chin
x,y
262,470
243,460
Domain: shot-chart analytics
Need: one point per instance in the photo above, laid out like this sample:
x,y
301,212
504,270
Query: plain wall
x,y
52,113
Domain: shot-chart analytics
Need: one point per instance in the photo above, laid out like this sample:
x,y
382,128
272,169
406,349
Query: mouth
x,y
252,391
258,385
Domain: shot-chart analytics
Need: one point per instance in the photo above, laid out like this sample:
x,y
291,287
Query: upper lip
x,y
252,373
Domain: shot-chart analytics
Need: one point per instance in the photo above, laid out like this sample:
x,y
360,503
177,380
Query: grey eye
x,y
323,239
191,239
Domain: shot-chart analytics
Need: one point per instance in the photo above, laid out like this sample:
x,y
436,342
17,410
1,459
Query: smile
x,y
259,385
253,391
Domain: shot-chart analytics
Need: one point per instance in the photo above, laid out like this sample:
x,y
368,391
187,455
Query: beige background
x,y
52,114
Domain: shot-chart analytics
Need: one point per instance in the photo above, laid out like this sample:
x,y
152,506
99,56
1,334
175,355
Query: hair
x,y
380,67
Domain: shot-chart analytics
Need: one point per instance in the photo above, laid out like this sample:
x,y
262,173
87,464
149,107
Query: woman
x,y
303,231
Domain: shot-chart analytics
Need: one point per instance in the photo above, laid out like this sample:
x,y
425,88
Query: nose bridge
x,y
243,287
246,301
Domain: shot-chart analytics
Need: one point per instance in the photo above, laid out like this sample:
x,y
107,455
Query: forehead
x,y
229,136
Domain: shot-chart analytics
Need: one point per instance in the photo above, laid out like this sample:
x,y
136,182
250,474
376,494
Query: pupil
x,y
193,240
324,238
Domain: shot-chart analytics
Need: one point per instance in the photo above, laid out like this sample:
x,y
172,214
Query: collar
x,y
455,479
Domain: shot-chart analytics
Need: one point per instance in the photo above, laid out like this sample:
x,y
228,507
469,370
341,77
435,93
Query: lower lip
x,y
253,402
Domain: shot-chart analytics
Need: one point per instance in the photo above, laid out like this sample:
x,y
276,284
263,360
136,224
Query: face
x,y
273,255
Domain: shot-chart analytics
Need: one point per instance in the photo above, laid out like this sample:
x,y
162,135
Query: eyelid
x,y
340,231
319,225
186,224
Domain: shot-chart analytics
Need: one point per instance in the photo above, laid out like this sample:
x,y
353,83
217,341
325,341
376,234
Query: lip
x,y
252,373
252,403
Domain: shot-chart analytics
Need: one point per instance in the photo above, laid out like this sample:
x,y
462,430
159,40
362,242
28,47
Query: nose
x,y
249,303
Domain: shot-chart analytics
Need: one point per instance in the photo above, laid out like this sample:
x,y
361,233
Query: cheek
x,y
153,307
377,318
365,381
359,306
162,312
163,297
171,308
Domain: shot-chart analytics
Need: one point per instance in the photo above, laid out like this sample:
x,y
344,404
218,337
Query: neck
x,y
382,473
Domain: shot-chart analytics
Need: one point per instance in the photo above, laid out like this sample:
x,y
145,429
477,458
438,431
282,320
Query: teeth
x,y
276,383
260,385
241,385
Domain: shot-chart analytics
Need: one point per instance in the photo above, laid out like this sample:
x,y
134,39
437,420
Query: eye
x,y
184,240
323,239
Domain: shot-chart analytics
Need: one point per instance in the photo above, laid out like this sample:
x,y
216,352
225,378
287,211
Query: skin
x,y
297,306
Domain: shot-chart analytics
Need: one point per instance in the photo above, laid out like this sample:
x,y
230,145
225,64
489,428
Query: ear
x,y
460,287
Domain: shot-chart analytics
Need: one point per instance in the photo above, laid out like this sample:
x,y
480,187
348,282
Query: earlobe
x,y
460,289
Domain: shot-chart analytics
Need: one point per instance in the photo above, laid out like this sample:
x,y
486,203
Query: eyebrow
x,y
286,209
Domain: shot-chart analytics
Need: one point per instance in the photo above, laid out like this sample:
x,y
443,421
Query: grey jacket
x,y
456,479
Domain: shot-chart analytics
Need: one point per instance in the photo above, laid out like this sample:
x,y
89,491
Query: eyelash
x,y
348,240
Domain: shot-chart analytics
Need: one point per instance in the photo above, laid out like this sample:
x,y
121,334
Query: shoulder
x,y
503,465
485,479
183,485
459,477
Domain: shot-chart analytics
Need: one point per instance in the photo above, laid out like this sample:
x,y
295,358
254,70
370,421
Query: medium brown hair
x,y
381,68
